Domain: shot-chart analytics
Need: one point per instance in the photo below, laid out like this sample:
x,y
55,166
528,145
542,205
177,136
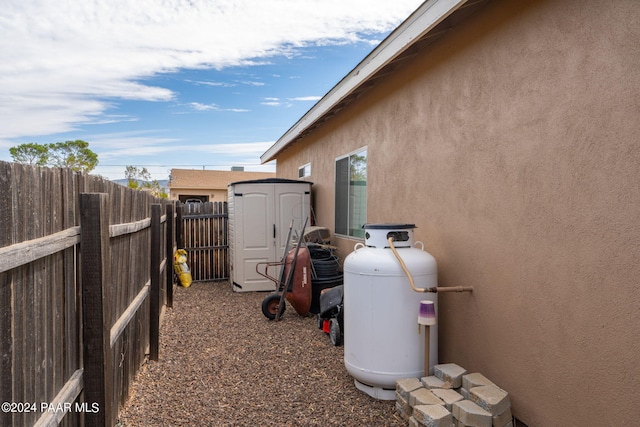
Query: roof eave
x,y
420,23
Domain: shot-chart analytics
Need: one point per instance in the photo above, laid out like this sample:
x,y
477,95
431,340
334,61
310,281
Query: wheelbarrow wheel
x,y
334,332
270,306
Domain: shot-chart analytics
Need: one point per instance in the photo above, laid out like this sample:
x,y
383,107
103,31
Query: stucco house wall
x,y
513,143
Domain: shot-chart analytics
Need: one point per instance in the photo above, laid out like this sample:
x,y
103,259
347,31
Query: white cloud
x,y
251,83
136,148
203,107
143,143
277,102
214,84
113,118
238,148
65,63
272,102
305,98
131,144
213,107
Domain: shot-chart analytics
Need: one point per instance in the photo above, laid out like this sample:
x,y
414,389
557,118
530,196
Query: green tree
x,y
30,153
69,154
140,179
134,175
75,155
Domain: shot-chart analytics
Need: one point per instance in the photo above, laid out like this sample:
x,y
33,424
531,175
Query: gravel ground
x,y
222,363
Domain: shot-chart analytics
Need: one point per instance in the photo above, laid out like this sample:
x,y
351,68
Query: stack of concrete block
x,y
453,398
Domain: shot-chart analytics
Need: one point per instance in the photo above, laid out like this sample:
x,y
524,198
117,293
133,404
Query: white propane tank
x,y
382,340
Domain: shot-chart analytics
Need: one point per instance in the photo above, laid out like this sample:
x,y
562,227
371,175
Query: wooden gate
x,y
205,238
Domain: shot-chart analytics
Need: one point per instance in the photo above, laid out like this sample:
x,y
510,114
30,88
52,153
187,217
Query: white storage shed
x,y
260,213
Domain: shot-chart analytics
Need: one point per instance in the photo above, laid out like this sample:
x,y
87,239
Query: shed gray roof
x,y
271,181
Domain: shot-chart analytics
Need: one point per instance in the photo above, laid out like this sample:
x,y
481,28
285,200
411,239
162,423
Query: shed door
x,y
255,234
292,203
263,215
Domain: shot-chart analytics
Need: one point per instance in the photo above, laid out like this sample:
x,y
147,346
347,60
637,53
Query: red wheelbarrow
x,y
294,283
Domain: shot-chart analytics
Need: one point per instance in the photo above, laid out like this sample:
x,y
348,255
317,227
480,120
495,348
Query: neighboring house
x,y
509,133
207,185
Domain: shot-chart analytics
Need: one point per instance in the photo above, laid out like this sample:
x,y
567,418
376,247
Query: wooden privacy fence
x,y
85,270
204,236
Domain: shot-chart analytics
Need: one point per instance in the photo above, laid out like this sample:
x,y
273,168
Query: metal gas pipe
x,y
432,289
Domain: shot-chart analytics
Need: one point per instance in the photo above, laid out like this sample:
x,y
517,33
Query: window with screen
x,y
351,194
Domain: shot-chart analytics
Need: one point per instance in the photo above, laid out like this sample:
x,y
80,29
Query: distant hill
x,y
164,183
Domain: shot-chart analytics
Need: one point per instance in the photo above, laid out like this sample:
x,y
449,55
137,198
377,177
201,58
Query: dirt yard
x,y
222,363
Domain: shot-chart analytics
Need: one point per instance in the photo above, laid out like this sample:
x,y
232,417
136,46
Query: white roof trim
x,y
423,20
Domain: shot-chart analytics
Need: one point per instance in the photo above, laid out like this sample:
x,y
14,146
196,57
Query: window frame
x,y
303,169
340,197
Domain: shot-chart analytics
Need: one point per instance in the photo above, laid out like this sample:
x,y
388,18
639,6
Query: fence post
x,y
94,240
170,250
179,226
6,312
154,292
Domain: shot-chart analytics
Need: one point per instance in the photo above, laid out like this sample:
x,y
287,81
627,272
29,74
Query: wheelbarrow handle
x,y
266,270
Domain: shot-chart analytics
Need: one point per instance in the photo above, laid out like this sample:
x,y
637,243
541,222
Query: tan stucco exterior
x,y
211,184
513,143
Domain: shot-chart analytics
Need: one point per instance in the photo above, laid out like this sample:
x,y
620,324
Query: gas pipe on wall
x,y
382,343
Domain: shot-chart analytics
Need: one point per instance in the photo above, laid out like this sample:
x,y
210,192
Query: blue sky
x,y
168,84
